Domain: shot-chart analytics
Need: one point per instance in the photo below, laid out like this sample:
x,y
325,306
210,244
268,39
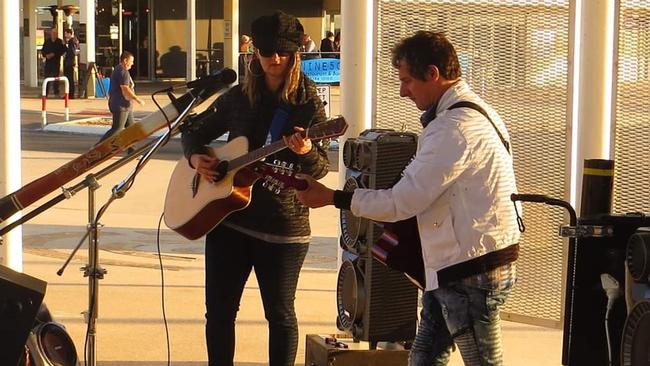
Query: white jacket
x,y
458,186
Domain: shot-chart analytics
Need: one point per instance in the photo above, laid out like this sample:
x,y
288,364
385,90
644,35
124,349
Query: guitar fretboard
x,y
330,128
256,155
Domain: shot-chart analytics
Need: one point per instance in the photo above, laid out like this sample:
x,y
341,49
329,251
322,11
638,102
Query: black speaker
x,y
375,303
595,282
20,298
636,332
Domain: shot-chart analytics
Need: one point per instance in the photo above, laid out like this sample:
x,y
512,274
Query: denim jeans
x,y
122,118
465,313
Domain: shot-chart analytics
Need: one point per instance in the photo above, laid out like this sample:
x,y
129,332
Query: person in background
x,y
245,44
121,95
271,236
53,49
458,188
327,47
70,59
308,44
337,43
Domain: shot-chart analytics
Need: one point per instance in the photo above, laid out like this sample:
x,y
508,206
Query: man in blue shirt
x,y
121,94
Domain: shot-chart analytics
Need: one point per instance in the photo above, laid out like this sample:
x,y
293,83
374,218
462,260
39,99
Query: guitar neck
x,y
253,156
330,128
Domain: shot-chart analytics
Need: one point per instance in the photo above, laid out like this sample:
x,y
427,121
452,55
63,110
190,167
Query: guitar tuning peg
x,y
265,184
277,191
276,162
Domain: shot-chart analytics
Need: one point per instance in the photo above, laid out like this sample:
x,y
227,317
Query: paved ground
x,y
130,328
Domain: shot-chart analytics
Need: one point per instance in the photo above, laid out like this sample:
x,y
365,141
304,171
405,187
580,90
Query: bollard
x,y
597,187
44,97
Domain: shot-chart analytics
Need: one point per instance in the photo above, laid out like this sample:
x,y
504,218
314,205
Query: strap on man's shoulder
x,y
478,108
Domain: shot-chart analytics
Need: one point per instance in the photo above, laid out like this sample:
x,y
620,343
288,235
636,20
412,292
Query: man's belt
x,y
478,265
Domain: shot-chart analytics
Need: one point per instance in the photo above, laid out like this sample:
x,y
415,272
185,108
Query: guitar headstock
x,y
278,176
330,128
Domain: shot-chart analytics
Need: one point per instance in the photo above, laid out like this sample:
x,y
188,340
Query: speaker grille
x,y
636,336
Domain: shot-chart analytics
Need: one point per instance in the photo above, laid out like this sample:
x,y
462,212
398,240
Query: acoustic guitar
x,y
194,206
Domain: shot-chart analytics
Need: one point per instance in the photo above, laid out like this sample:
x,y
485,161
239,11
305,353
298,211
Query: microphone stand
x,y
93,270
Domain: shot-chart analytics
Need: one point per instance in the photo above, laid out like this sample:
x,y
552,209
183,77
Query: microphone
x,y
221,78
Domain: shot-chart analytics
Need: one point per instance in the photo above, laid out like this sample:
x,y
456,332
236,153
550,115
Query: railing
x,y
44,97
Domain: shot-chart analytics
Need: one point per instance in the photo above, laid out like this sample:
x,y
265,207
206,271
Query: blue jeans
x,y
465,313
122,118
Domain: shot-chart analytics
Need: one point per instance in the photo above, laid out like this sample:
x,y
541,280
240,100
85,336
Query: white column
x,y
120,36
595,72
231,34
87,50
87,18
358,20
191,40
29,44
10,171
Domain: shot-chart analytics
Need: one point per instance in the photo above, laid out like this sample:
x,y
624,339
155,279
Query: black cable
x,y
162,290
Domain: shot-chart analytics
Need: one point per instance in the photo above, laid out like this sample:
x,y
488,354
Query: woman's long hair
x,y
254,80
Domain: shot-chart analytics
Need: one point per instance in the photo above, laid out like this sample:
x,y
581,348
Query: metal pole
x,y
93,271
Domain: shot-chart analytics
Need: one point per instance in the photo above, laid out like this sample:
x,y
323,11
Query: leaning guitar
x,y
399,248
194,206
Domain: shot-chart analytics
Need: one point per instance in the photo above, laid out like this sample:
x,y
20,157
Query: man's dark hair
x,y
67,30
426,48
125,55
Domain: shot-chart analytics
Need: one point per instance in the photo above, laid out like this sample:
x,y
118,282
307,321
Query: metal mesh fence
x,y
632,108
514,53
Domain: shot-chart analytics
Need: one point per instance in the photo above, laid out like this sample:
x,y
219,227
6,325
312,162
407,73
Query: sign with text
x,y
323,70
323,92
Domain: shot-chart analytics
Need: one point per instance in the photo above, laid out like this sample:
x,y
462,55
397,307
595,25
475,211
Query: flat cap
x,y
279,32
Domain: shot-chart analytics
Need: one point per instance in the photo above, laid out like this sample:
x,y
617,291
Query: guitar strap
x,y
476,107
280,118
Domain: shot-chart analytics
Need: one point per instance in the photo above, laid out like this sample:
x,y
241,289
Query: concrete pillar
x,y
30,54
87,50
357,21
231,34
357,18
10,170
191,40
595,73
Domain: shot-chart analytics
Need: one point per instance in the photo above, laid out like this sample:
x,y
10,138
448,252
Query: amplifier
x,y
586,341
374,302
